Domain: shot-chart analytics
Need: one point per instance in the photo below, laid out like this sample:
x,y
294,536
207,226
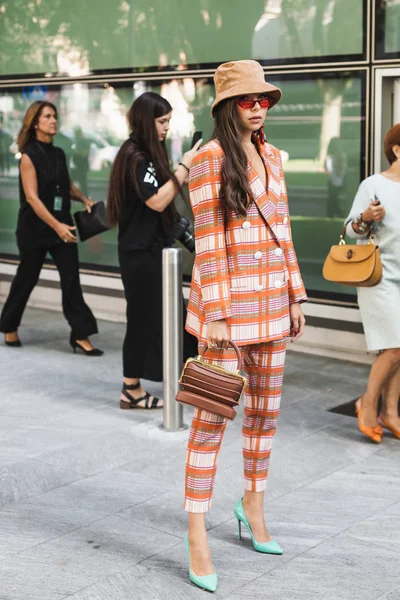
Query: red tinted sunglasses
x,y
264,102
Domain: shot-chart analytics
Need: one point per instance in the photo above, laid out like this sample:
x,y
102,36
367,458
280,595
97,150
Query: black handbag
x,y
91,223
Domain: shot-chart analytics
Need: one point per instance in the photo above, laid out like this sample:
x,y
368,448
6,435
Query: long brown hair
x,y
235,192
31,118
142,144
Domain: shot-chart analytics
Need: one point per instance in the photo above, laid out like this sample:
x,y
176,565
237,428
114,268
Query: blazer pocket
x,y
239,281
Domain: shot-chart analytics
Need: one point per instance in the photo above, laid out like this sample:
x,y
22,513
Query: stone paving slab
x,y
140,583
91,497
29,478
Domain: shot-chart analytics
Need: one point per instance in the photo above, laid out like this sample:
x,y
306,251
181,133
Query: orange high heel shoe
x,y
385,423
373,433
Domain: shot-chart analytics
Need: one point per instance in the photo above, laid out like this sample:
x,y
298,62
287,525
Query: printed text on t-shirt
x,y
150,176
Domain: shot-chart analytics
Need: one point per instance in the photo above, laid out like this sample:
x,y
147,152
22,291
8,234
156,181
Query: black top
x,y
140,227
53,180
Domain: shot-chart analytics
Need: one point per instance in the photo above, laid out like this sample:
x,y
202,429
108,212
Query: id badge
x,y
58,202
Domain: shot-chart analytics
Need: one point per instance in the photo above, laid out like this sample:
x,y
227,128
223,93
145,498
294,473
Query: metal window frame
x,y
288,73
380,73
378,47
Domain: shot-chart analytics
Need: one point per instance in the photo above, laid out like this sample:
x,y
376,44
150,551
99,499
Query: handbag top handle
x,y
342,241
236,349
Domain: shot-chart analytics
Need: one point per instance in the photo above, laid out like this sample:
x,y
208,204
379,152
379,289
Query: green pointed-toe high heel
x,y
206,582
271,547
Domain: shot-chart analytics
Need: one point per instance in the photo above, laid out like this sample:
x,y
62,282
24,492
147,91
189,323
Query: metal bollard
x,y
172,336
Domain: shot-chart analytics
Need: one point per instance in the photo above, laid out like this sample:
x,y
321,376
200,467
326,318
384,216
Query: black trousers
x,y
141,272
65,256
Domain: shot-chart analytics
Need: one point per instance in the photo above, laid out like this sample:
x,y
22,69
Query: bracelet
x,y
361,225
183,165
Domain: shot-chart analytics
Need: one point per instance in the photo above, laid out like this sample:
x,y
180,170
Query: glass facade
x,y
93,64
387,40
73,38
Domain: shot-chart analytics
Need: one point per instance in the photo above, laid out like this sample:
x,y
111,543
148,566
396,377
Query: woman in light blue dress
x,y
376,208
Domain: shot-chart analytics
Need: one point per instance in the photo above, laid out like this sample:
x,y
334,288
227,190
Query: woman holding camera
x,y
45,226
140,202
246,287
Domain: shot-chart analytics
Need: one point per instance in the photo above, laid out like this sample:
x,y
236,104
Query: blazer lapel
x,y
266,200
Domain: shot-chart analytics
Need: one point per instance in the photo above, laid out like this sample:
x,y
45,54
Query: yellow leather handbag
x,y
357,265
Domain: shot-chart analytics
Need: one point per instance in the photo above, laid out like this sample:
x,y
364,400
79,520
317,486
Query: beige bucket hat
x,y
241,77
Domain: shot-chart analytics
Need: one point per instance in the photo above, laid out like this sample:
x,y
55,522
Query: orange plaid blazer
x,y
245,269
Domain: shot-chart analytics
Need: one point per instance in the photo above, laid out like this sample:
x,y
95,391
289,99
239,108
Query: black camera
x,y
182,232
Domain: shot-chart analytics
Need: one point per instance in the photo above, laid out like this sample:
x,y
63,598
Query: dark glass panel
x,y
76,37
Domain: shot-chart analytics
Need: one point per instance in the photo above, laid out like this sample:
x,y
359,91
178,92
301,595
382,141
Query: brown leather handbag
x,y
211,387
358,265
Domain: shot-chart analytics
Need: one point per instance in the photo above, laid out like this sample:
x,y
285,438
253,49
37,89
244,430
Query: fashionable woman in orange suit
x,y
246,287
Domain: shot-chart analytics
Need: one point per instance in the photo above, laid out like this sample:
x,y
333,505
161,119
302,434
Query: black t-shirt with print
x,y
139,226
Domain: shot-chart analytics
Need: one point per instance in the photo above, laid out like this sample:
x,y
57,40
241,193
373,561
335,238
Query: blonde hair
x,y
31,118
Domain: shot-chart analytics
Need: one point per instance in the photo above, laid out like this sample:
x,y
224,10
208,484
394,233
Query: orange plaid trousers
x,y
263,364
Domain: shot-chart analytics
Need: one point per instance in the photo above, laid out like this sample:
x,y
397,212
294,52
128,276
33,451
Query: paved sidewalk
x,y
91,496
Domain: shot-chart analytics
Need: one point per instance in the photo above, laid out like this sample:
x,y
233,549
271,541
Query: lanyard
x,y
51,165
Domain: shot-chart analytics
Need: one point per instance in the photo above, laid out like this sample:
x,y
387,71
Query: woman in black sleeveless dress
x,y
45,226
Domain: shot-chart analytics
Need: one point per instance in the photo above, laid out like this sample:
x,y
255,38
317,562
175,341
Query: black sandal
x,y
132,402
